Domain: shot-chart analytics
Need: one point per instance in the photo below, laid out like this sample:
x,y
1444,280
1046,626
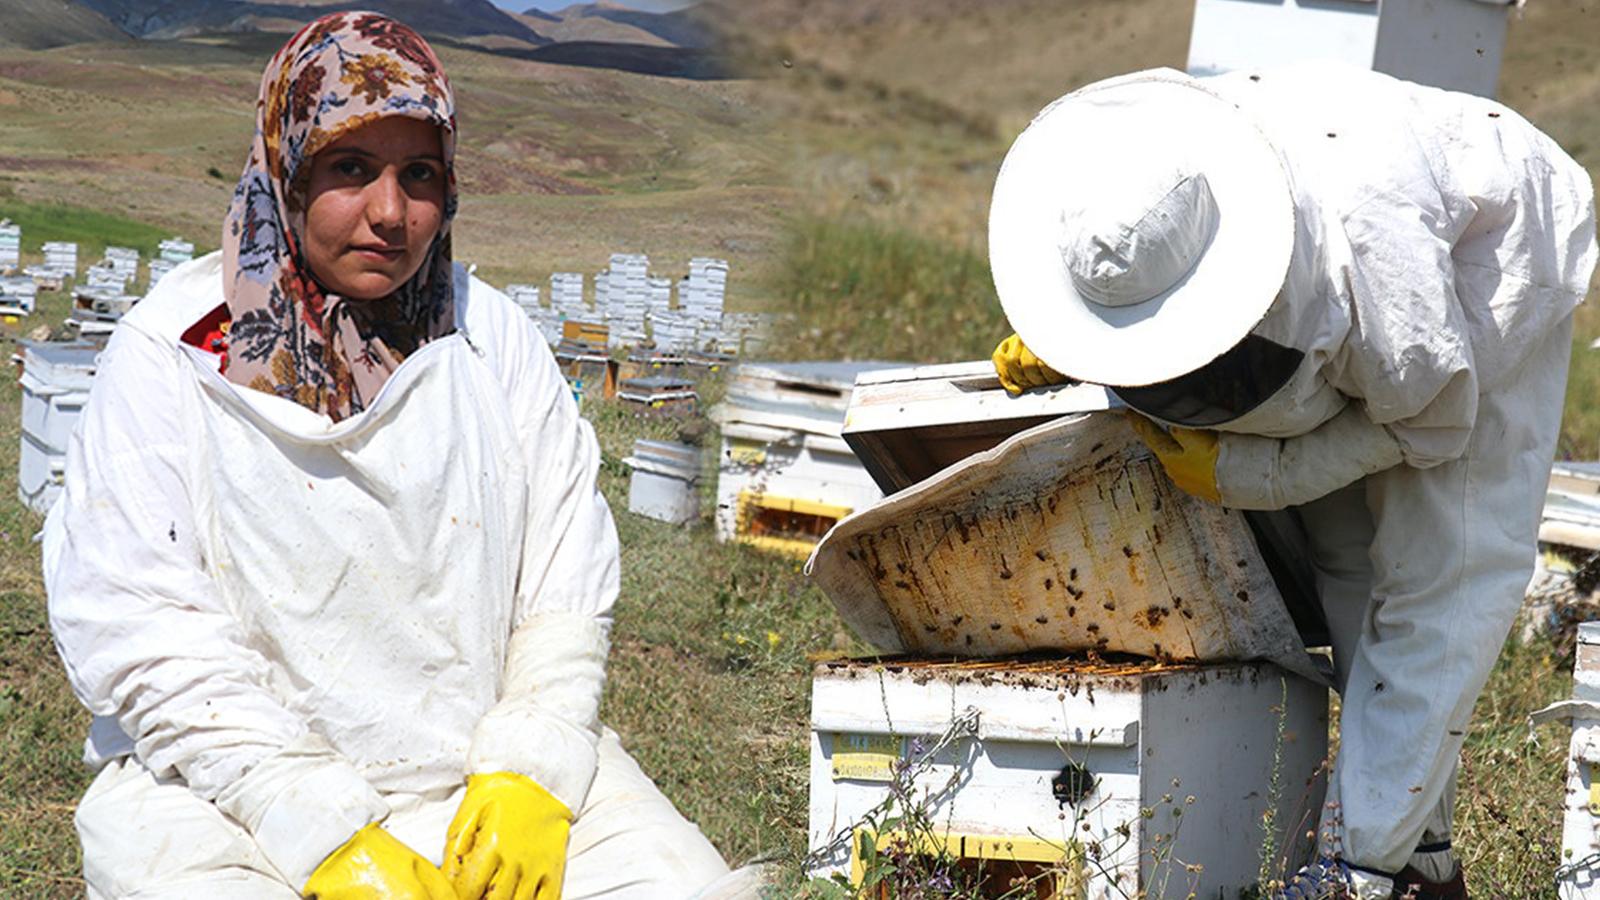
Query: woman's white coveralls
x,y
1443,244
289,628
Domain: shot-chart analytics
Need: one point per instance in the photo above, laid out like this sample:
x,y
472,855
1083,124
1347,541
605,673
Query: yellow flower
x,y
373,74
773,638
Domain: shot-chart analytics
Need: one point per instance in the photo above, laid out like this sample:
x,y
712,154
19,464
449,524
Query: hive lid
x,y
1066,537
64,364
801,398
906,424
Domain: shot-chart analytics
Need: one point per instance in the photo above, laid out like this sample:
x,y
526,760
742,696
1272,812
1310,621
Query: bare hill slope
x,y
39,24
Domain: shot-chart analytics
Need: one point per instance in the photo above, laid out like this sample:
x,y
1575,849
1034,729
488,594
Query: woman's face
x,y
374,201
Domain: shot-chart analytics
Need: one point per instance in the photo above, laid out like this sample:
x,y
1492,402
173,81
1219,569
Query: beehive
x,y
1099,780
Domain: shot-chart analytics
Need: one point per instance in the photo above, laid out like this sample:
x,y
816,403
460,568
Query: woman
x,y
331,568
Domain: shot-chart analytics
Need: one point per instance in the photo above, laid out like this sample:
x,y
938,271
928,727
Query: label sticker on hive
x,y
865,757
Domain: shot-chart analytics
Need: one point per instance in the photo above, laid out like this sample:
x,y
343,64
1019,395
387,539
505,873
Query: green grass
x,y
1580,421
862,290
91,229
41,725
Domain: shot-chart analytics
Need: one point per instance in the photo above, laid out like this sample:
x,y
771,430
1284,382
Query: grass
x,y
849,187
709,685
868,291
41,725
92,229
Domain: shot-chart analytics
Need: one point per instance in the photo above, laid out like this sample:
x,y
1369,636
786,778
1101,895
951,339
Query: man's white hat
x,y
1140,227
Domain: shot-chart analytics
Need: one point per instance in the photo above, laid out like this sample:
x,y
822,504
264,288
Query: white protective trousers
x,y
148,838
1442,243
289,628
1420,573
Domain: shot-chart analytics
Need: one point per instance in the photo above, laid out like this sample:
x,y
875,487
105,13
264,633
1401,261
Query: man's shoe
x,y
1325,879
1410,885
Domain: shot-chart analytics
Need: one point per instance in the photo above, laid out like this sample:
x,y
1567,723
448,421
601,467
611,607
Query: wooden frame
x,y
908,424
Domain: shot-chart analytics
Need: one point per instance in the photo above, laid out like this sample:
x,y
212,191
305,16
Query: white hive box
x,y
124,261
176,250
19,291
1578,875
1453,44
1572,506
159,269
1086,768
55,386
10,245
665,481
785,475
62,256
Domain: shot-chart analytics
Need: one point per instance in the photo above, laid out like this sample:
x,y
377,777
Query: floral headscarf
x,y
289,336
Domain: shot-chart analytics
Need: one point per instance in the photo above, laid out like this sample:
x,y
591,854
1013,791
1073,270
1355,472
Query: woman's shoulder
x,y
186,295
495,324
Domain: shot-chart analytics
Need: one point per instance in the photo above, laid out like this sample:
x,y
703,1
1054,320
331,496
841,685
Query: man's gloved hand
x,y
1019,369
508,840
373,865
1188,455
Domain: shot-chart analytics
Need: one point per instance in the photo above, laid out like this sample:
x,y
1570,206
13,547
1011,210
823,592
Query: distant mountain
x,y
37,24
462,19
606,22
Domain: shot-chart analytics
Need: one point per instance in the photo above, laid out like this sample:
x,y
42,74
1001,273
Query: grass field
x,y
849,186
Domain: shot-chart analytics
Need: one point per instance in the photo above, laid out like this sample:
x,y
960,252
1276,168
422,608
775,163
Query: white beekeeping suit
x,y
1359,292
289,628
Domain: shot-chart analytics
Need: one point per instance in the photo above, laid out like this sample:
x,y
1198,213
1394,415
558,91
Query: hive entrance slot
x,y
983,866
784,523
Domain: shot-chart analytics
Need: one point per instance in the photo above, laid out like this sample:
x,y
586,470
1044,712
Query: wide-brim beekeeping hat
x,y
1140,227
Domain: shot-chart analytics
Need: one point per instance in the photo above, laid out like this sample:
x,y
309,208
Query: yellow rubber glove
x,y
1188,455
508,840
373,865
1019,369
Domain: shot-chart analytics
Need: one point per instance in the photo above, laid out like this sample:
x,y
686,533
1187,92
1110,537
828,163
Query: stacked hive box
x,y
124,261
625,297
61,257
665,481
786,476
566,294
701,295
659,296
159,269
659,394
55,386
10,245
176,250
673,332
17,294
105,277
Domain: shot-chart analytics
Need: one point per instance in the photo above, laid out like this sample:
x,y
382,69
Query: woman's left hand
x,y
508,841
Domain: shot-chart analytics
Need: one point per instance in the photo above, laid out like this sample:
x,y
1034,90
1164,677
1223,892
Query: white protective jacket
x,y
1440,239
297,617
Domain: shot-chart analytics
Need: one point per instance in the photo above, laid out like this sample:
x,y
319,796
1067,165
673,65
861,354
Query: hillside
x,y
40,24
559,166
168,19
618,24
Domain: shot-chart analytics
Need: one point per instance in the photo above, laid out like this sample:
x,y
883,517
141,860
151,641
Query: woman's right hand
x,y
373,865
1019,369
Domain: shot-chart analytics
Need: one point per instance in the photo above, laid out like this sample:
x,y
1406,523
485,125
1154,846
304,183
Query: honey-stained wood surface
x,y
1066,537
